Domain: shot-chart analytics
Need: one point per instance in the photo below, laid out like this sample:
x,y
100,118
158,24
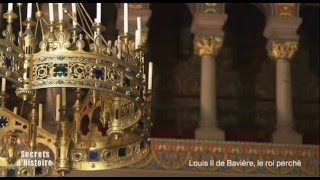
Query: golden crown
x,y
73,58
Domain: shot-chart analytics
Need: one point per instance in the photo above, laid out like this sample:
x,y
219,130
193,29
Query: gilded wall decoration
x,y
138,6
175,155
286,9
215,8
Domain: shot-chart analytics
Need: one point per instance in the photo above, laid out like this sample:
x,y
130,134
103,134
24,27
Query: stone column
x,y
283,43
282,53
208,42
208,48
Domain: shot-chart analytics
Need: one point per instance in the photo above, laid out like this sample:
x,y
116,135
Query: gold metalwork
x,y
113,73
138,6
213,8
14,138
207,45
282,50
144,38
2,99
8,49
210,8
165,153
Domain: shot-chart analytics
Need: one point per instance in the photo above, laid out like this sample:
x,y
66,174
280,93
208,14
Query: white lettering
x,y
211,162
35,162
19,162
35,154
240,163
22,154
198,163
288,163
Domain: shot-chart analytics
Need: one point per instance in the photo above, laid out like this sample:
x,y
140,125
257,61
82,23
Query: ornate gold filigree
x,y
279,50
210,8
15,138
175,154
207,45
113,73
138,6
213,8
10,53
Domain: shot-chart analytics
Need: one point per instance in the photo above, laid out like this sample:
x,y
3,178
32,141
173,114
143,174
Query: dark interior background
x,y
245,74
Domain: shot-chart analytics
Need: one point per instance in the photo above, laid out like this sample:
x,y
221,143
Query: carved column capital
x,y
282,28
282,50
207,24
207,45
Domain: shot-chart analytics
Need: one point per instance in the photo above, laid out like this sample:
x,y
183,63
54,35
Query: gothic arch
x,y
191,6
300,5
268,9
